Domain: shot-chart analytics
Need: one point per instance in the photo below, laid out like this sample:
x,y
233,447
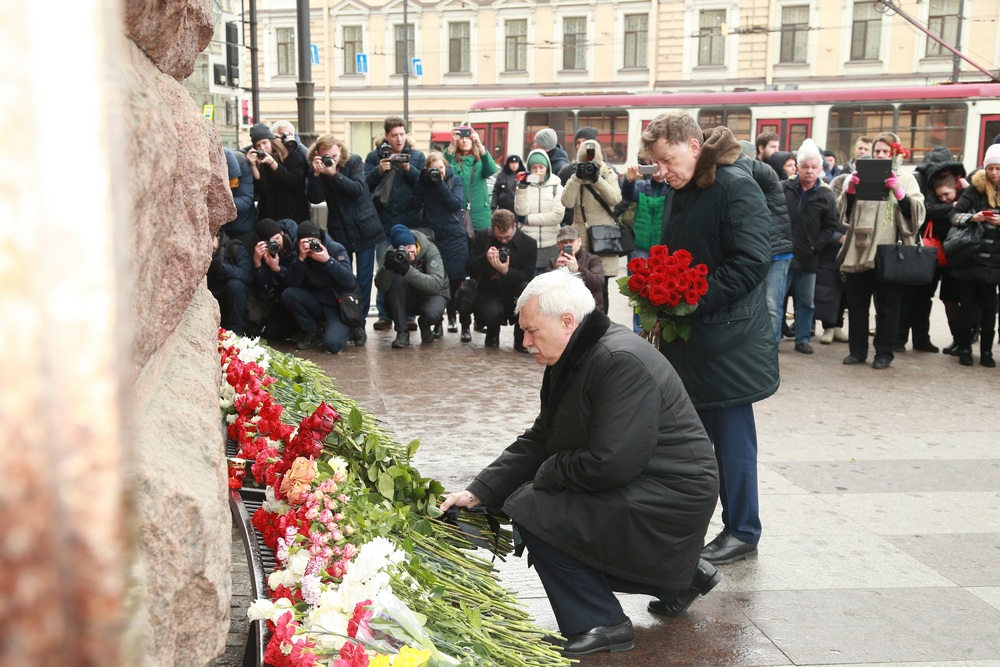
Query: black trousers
x,y
915,312
494,309
454,287
581,596
232,297
403,300
861,288
977,293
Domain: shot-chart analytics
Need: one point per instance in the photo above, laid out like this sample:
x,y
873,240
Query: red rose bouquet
x,y
664,289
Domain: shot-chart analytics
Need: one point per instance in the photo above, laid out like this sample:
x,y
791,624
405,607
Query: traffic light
x,y
233,53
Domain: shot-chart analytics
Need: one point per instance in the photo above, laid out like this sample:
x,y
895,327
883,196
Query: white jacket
x,y
542,208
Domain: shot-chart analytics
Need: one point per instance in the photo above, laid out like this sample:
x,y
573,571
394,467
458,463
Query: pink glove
x,y
893,184
852,183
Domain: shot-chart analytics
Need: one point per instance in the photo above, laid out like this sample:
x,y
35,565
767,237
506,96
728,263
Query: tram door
x,y
990,129
494,137
791,131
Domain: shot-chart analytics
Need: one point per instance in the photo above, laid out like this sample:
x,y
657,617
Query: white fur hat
x,y
992,155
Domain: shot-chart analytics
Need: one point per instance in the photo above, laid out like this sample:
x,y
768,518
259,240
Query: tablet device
x,y
872,174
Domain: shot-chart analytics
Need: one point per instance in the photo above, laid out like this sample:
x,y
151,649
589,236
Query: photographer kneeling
x,y
413,280
502,260
317,273
272,255
572,256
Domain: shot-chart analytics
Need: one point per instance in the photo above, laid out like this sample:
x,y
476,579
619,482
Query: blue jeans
x,y
309,312
365,260
774,283
802,285
734,434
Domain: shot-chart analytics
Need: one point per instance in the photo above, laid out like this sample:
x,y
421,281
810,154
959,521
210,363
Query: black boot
x,y
953,348
986,350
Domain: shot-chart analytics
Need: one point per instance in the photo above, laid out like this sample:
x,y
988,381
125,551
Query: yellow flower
x,y
411,657
380,661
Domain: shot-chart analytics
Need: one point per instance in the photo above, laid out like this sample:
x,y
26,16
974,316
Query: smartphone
x,y
464,131
988,214
648,169
533,178
568,249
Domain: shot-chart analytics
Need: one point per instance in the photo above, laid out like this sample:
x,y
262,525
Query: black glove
x,y
401,270
392,264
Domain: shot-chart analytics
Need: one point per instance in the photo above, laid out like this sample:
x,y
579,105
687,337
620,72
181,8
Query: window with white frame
x,y
794,33
636,32
353,45
458,47
284,41
404,47
866,31
711,41
575,42
942,19
516,45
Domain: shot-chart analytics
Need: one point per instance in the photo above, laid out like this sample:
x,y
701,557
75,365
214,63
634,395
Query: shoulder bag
x,y
931,241
962,243
905,264
609,240
350,309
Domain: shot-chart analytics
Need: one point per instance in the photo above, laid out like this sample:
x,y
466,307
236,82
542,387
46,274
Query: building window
x,y
942,19
516,45
458,47
794,31
575,43
636,31
926,126
285,40
353,45
736,119
866,31
711,44
848,122
404,48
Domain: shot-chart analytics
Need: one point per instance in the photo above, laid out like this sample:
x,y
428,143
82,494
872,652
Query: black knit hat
x,y
266,228
260,131
586,132
308,229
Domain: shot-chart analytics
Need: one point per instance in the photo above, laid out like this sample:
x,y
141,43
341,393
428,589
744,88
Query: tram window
x,y
924,127
560,121
847,123
737,120
612,132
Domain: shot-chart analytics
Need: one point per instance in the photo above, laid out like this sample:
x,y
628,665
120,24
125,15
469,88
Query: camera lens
x,y
273,248
400,255
260,155
315,245
504,255
327,161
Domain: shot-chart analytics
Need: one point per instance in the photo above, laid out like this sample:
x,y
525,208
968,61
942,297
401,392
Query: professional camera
x,y
273,248
327,161
401,255
430,176
504,254
261,154
587,169
384,150
315,245
288,139
399,157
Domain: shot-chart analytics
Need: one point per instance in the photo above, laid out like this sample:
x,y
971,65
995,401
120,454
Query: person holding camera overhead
x,y
391,171
502,260
320,269
592,191
279,177
474,164
538,203
413,280
338,178
440,195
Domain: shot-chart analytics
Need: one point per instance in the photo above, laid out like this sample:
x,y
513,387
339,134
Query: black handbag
x,y
351,313
606,240
905,264
962,244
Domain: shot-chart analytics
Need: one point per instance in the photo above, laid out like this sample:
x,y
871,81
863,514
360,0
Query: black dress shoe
x,y
951,349
852,359
402,340
726,548
492,341
466,334
359,336
926,346
965,356
437,331
310,340
986,359
881,363
706,577
615,638
382,325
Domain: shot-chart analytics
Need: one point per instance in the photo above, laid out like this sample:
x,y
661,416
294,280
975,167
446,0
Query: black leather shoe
x,y
437,331
951,349
706,577
466,334
311,339
852,359
402,340
615,638
382,325
881,363
726,548
804,348
986,359
492,341
965,356
899,348
426,335
452,327
359,336
926,346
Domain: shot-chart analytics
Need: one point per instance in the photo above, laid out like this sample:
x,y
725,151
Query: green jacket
x,y
426,272
474,173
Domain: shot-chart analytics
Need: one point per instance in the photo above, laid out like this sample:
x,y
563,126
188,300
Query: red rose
x,y
702,269
691,297
658,295
674,299
644,291
659,251
635,283
638,265
683,256
700,285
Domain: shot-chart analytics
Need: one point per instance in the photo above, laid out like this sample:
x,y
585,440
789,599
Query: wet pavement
x,y
880,500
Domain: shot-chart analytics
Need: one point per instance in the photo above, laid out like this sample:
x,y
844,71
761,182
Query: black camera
x,y
261,154
288,139
430,176
327,161
588,170
273,248
399,157
384,150
567,248
464,131
504,254
401,255
315,245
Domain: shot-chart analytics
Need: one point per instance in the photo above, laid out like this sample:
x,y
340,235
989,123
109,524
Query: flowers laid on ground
x,y
897,154
367,575
664,289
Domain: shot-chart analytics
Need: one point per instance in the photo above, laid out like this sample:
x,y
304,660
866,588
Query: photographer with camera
x,y
440,195
279,177
593,191
474,164
229,280
572,256
320,270
538,203
285,132
502,260
338,178
391,171
272,256
241,227
413,280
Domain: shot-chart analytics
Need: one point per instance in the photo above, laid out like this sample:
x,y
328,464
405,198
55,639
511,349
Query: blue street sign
x,y
418,67
361,63
314,54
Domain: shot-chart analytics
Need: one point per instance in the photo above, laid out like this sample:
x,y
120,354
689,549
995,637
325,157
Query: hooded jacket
x,y
442,205
770,185
540,204
504,184
587,210
936,162
985,266
777,162
722,219
426,273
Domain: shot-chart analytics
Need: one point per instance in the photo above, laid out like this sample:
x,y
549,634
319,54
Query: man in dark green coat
x,y
717,212
613,486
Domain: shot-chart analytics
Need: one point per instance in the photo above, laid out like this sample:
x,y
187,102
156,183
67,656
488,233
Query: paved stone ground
x,y
880,499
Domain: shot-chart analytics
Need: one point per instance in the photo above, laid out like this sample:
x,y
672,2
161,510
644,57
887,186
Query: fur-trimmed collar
x,y
719,147
584,338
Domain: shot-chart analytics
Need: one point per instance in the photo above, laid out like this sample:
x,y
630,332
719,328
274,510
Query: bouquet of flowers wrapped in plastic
x,y
664,289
